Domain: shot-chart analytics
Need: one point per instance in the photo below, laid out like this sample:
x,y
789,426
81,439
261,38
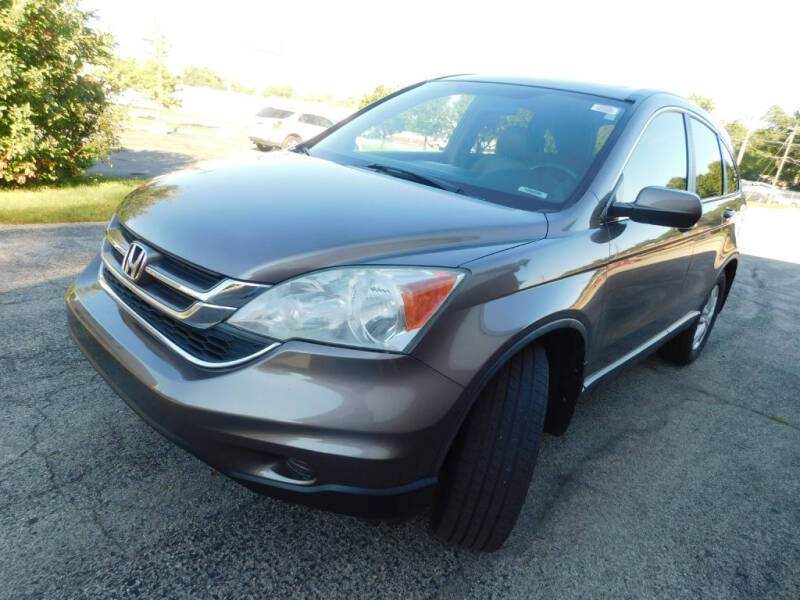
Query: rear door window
x,y
315,120
707,161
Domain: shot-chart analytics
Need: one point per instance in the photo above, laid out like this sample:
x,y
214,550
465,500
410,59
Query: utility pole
x,y
751,123
746,139
159,51
789,142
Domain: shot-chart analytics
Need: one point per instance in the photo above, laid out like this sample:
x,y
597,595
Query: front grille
x,y
215,344
164,293
183,305
198,277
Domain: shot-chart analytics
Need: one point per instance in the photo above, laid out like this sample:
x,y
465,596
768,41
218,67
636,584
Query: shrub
x,y
55,114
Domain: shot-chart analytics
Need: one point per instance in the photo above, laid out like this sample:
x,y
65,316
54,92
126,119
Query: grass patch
x,y
770,205
778,419
86,198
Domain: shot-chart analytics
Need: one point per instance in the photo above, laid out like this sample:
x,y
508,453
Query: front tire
x,y
486,476
687,346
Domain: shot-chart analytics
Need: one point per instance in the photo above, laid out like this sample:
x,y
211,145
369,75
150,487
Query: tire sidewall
x,y
290,141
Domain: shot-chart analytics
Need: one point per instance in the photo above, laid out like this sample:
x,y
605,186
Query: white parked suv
x,y
284,127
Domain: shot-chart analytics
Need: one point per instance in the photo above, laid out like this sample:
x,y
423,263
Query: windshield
x,y
518,145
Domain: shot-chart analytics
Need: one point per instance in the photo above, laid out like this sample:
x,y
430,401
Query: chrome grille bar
x,y
199,314
170,344
175,299
228,292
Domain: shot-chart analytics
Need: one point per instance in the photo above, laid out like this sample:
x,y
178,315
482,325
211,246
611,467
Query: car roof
x,y
313,108
615,92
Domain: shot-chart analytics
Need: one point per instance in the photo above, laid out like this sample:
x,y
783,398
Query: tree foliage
x,y
379,92
704,102
434,120
55,113
203,77
151,78
282,91
241,88
156,82
766,146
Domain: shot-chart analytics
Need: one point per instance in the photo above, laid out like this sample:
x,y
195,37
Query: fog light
x,y
300,469
290,470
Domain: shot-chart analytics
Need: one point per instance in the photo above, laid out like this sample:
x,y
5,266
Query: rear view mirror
x,y
661,206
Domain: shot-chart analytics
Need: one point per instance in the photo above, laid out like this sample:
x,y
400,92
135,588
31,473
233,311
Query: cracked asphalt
x,y
671,482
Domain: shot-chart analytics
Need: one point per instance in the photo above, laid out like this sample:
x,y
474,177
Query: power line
x,y
785,156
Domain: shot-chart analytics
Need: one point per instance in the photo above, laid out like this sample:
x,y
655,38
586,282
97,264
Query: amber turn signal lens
x,y
423,298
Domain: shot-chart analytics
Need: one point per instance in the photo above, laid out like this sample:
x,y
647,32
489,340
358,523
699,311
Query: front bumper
x,y
371,427
263,141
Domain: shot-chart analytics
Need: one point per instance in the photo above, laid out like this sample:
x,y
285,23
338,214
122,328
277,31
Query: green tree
x,y
738,131
766,146
241,88
124,73
437,117
203,77
282,91
379,92
704,102
55,113
156,81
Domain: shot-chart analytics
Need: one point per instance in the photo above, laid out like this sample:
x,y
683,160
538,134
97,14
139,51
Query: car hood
x,y
285,214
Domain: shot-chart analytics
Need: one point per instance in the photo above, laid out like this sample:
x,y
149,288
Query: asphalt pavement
x,y
670,483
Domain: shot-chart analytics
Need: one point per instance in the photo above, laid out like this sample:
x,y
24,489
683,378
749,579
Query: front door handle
x,y
728,213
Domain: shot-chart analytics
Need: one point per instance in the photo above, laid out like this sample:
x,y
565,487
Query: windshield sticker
x,y
532,192
610,112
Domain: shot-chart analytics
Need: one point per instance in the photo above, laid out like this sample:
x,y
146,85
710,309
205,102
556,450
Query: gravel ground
x,y
678,483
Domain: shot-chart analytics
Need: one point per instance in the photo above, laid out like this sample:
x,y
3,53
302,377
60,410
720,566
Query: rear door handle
x,y
728,213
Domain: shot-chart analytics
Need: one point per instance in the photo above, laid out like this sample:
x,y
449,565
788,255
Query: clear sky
x,y
744,55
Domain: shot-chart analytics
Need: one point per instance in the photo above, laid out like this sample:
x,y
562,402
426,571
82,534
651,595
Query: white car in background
x,y
287,126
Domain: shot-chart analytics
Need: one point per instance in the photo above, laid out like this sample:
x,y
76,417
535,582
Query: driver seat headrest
x,y
512,143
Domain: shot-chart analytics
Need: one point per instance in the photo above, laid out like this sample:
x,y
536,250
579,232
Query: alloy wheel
x,y
706,316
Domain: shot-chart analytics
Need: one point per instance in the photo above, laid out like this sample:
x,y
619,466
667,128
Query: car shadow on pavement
x,y
142,163
669,479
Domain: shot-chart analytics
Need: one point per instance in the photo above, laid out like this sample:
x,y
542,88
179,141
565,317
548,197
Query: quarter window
x,y
707,162
658,159
731,176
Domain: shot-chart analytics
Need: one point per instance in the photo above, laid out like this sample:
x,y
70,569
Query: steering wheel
x,y
556,167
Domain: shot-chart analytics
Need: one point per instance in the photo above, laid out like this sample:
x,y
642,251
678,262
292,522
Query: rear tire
x,y
486,476
290,142
687,345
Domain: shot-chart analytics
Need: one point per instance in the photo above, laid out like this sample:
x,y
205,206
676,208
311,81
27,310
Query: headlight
x,y
370,307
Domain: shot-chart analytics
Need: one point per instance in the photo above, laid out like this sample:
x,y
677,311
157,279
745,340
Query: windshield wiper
x,y
414,176
300,149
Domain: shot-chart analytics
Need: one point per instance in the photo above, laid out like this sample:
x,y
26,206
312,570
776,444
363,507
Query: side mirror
x,y
661,206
